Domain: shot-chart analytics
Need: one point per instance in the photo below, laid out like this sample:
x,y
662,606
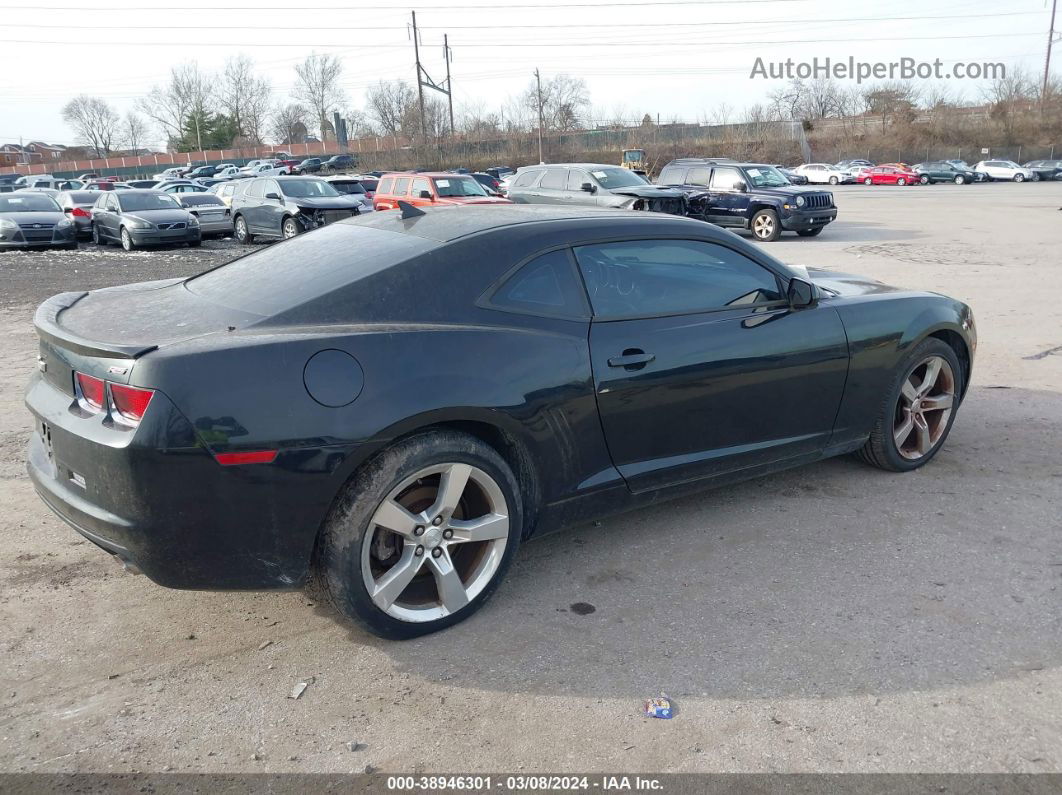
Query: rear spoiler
x,y
46,320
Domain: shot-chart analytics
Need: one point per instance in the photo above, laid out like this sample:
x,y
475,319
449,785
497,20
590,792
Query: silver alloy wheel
x,y
960,180
923,179
241,229
127,241
1019,177
763,226
435,542
868,181
289,228
924,407
901,181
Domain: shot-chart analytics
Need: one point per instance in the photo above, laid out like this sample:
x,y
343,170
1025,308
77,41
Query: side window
x,y
576,178
673,175
671,277
112,202
420,184
697,176
402,186
555,178
547,285
527,178
255,189
385,185
725,178
271,186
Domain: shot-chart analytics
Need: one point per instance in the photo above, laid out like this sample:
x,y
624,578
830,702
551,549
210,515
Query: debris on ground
x,y
264,643
352,746
660,707
300,687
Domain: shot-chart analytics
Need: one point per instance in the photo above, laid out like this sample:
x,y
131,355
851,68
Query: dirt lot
x,y
833,618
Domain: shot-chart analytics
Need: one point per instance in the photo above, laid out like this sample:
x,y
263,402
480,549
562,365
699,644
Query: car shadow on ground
x,y
849,232
829,580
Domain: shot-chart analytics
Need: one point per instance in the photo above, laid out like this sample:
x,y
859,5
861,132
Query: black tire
x,y
289,228
810,232
880,449
765,227
338,577
1019,177
127,239
868,181
834,180
923,180
960,180
240,231
96,237
901,181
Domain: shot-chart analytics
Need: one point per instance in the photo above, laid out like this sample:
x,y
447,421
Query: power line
x,y
506,6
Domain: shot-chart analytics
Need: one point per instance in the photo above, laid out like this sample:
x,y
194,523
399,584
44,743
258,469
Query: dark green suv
x,y
942,171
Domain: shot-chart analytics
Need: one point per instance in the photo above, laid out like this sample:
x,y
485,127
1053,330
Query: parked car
x,y
1004,170
488,181
353,186
225,191
431,189
89,175
181,186
260,434
791,175
890,175
820,173
845,164
962,165
170,173
141,184
104,184
215,217
266,207
227,173
77,206
595,185
942,171
265,168
749,196
31,219
47,181
340,163
136,218
310,165
854,174
500,172
1045,169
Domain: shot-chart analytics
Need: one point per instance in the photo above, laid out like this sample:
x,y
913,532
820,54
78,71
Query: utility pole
x,y
1047,64
538,83
449,89
420,80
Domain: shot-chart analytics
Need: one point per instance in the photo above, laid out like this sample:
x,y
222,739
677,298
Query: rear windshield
x,y
28,203
148,201
200,200
306,267
347,186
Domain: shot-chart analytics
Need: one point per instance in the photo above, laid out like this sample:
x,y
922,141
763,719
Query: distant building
x,y
48,152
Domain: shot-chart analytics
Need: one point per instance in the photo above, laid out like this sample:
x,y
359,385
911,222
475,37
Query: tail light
x,y
77,211
130,402
93,391
250,457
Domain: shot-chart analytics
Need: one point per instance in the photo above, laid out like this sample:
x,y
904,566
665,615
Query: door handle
x,y
632,359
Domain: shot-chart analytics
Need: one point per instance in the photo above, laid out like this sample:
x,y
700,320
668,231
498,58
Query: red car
x,y
890,175
431,189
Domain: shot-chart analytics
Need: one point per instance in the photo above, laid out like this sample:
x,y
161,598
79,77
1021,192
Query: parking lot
x,y
831,618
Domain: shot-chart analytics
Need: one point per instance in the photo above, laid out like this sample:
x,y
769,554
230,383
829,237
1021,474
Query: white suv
x,y
821,173
1005,169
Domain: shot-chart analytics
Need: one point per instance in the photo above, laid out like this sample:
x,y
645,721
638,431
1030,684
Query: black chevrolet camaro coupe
x,y
385,408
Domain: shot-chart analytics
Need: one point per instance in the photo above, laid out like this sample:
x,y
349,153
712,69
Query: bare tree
x,y
244,97
288,123
565,102
318,89
95,122
389,104
134,132
187,96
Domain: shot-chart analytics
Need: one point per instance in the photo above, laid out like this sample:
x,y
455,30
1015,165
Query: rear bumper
x,y
216,227
157,499
799,220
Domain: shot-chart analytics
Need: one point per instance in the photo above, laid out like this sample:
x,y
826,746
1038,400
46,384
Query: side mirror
x,y
425,194
588,187
273,196
801,294
740,187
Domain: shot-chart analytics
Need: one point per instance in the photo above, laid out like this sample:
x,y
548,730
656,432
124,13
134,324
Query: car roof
x,y
439,174
444,224
568,165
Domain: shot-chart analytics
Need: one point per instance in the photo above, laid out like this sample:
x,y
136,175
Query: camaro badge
x,y
116,370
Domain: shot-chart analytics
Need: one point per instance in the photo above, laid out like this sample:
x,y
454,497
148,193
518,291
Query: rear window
x,y
306,267
200,200
526,178
347,186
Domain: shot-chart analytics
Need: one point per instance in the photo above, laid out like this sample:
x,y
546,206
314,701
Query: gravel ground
x,y
831,618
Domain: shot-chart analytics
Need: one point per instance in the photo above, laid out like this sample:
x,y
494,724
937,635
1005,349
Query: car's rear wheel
x,y
127,240
960,180
99,241
765,227
289,228
240,230
810,232
422,536
919,409
868,181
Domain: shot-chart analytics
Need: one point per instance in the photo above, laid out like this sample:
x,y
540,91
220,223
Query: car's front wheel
x,y
923,180
290,228
127,240
422,536
960,180
868,181
765,227
1019,177
834,180
901,181
919,409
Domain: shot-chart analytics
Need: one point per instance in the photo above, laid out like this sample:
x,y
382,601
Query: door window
x,y
420,184
726,178
577,178
526,178
670,277
554,179
673,176
697,176
401,186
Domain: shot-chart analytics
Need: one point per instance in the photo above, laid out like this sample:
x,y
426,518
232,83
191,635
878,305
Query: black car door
x,y
730,201
700,366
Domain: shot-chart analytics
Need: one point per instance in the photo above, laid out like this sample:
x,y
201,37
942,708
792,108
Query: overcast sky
x,y
679,59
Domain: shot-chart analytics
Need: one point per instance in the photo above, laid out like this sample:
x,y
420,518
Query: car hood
x,y
648,192
847,284
159,216
42,217
324,202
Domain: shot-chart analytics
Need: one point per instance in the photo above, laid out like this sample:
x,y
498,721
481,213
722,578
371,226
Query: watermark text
x,y
851,69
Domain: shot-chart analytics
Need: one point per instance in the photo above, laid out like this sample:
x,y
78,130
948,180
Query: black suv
x,y
750,196
340,162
